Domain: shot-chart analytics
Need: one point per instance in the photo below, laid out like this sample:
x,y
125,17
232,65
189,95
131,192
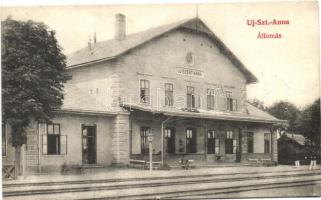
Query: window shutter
x,y
44,145
234,146
63,144
234,105
217,146
198,101
189,100
227,104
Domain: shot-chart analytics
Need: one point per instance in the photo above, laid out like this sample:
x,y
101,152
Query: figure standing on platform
x,y
313,162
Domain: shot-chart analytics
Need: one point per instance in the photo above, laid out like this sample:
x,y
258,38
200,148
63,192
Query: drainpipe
x,y
162,140
24,161
130,135
39,168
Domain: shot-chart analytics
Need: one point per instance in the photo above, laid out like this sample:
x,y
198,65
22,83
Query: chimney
x,y
120,27
95,38
89,44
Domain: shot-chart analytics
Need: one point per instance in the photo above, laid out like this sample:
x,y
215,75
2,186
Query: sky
x,y
287,68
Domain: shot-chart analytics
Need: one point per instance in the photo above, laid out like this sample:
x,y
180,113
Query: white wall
x,y
259,138
70,125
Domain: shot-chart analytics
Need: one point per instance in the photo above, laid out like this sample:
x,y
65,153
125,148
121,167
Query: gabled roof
x,y
253,114
300,139
111,49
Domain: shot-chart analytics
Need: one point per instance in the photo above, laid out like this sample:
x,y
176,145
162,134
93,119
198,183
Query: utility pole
x,y
150,138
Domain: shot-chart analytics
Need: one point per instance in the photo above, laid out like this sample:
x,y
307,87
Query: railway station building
x,y
179,82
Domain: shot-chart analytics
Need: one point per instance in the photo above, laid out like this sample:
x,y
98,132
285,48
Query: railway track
x,y
207,193
13,190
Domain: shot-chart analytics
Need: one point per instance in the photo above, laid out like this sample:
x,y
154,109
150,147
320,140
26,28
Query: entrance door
x,y
191,140
89,144
170,140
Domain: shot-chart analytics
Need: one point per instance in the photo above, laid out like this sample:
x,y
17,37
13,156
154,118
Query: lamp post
x,y
150,138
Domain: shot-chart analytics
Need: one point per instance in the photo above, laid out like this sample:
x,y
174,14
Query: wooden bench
x,y
186,165
254,161
156,165
266,162
140,163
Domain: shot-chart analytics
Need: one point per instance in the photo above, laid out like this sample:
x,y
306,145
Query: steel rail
x,y
144,185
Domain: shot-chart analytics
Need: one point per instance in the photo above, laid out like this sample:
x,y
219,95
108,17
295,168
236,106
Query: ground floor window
x,y
53,142
230,143
4,139
267,137
250,142
170,140
143,139
213,143
191,140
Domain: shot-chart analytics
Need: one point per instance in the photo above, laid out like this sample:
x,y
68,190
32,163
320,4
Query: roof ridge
x,y
136,33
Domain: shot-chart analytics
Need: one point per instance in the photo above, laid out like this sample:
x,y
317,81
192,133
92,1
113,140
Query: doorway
x,y
170,140
191,140
88,144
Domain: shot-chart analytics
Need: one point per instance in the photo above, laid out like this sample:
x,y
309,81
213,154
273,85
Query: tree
x,y
309,124
286,111
258,103
33,73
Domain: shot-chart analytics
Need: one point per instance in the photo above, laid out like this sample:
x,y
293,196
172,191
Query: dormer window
x,y
144,91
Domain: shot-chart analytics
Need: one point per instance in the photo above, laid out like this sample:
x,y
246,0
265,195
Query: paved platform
x,y
196,183
114,173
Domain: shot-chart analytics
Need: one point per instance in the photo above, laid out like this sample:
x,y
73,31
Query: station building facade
x,y
179,82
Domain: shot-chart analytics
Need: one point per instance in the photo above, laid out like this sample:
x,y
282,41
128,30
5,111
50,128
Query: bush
x,y
288,151
287,154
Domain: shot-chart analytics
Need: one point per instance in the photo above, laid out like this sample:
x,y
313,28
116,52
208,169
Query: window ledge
x,y
54,155
169,106
145,104
191,110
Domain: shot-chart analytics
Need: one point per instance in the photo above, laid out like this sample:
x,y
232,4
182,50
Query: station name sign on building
x,y
190,72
